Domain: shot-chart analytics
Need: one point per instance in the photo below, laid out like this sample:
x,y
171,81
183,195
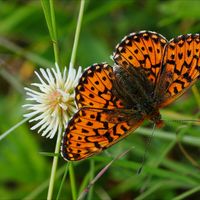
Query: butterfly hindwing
x,y
92,130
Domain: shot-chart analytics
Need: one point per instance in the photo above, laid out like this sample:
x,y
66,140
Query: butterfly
x,y
148,74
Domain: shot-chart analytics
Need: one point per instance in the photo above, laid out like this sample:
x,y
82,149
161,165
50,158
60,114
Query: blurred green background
x,y
25,46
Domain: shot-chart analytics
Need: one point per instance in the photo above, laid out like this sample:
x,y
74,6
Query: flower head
x,y
52,103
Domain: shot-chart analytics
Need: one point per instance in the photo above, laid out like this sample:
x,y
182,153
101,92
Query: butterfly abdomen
x,y
133,88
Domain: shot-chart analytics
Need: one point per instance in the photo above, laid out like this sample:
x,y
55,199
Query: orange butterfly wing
x,y
167,68
102,119
181,68
144,51
92,130
95,88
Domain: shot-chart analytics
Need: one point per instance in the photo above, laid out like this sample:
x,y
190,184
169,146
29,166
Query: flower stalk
x,y
72,62
52,29
52,104
77,33
54,165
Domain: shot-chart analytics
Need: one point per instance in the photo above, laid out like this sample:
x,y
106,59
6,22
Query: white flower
x,y
52,103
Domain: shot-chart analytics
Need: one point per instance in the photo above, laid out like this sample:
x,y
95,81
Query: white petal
x,y
41,80
50,112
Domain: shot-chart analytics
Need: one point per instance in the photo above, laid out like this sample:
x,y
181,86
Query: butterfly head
x,y
156,118
160,123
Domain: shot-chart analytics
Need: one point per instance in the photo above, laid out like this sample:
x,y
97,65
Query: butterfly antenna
x,y
146,148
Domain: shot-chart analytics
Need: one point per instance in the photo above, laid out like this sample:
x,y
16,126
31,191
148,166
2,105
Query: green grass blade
x,y
72,181
187,193
62,182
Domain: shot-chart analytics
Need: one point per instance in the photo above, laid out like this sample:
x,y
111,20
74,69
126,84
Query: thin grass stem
x,y
77,33
47,15
35,193
13,128
24,53
48,9
72,181
92,170
72,62
62,182
191,140
12,80
54,30
54,165
187,193
196,94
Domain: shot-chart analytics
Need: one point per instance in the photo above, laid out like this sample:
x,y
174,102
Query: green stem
x,y
24,53
92,170
54,39
54,165
191,140
13,80
72,181
56,53
43,186
13,128
48,8
72,61
77,33
62,182
187,193
196,94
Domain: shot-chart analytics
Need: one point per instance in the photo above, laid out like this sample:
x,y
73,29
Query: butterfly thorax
x,y
136,92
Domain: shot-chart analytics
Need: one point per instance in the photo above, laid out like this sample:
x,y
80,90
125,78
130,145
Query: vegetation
x,y
171,169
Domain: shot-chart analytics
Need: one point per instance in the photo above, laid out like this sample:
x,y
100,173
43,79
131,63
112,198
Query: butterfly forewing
x,y
181,67
143,50
95,88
